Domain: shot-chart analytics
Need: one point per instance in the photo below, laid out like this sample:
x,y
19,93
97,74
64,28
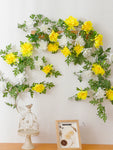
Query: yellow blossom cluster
x,y
71,22
10,58
47,69
82,95
87,26
26,49
65,51
53,47
78,49
38,88
53,36
98,40
109,94
97,69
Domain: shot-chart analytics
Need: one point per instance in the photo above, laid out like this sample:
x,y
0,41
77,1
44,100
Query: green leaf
x,y
16,71
49,85
55,28
77,99
13,92
36,57
2,52
32,16
5,94
76,60
81,23
111,102
24,62
23,26
11,105
8,47
101,112
31,93
56,73
44,59
94,101
70,34
40,16
9,85
80,78
108,50
60,23
22,87
46,20
78,89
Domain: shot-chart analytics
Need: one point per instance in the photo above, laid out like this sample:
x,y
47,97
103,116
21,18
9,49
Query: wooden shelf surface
x,y
17,146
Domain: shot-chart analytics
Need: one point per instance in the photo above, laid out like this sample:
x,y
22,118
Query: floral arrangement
x,y
78,42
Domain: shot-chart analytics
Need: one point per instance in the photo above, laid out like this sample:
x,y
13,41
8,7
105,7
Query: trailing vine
x,y
79,42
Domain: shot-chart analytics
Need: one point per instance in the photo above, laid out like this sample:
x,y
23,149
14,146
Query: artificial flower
x,y
43,45
87,74
53,36
29,25
87,52
78,49
97,69
110,58
2,86
79,41
92,59
53,47
20,78
71,22
47,69
10,58
63,41
65,51
98,41
45,28
82,95
87,26
26,49
38,88
100,93
38,63
109,94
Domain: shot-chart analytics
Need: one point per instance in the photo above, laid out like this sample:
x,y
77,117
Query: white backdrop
x,y
55,105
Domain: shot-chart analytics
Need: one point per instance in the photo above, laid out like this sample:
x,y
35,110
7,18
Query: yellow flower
x,y
82,95
109,94
38,88
53,36
47,69
26,49
78,49
98,40
10,58
97,69
71,22
87,26
66,52
53,47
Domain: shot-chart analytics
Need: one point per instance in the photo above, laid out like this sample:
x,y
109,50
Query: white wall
x,y
54,105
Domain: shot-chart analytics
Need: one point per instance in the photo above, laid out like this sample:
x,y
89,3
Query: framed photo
x,y
68,135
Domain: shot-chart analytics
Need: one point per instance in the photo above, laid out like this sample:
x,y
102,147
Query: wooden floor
x,y
15,146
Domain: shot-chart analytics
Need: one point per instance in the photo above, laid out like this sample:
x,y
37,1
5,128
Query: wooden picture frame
x,y
68,135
